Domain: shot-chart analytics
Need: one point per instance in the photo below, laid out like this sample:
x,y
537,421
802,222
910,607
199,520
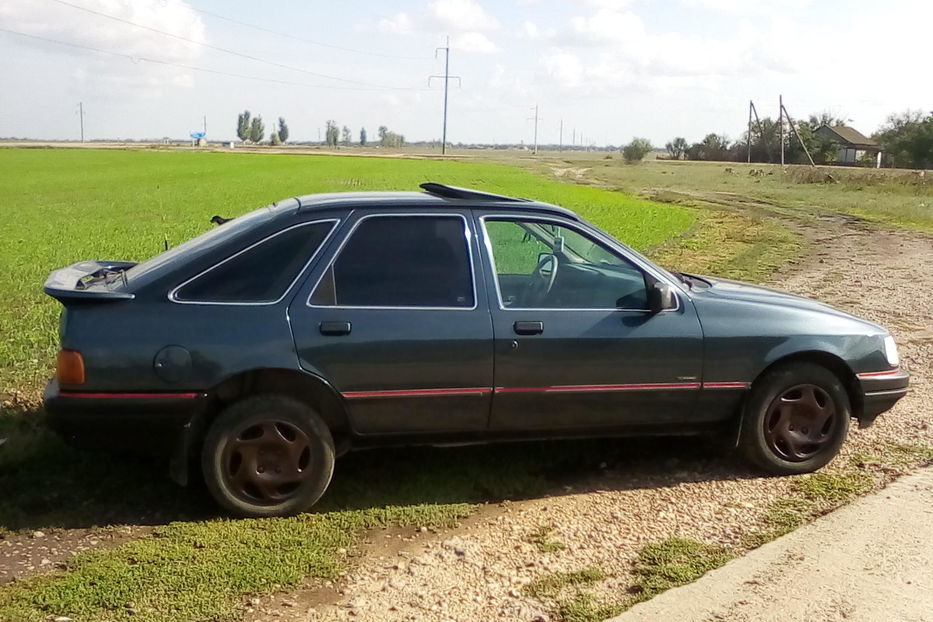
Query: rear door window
x,y
401,261
261,273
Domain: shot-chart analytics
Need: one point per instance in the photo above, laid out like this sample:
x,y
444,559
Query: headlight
x,y
890,351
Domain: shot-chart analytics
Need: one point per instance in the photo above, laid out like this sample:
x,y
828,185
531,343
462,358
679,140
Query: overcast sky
x,y
610,69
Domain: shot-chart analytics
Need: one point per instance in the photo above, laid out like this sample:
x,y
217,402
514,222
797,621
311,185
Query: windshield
x,y
206,241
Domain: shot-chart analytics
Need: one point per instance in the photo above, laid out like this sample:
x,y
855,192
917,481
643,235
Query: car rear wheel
x,y
796,419
267,455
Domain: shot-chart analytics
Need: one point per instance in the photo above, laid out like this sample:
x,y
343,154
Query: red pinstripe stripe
x,y
121,396
872,374
418,392
582,388
571,388
725,385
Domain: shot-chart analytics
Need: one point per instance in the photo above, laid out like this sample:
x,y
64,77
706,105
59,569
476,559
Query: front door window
x,y
544,265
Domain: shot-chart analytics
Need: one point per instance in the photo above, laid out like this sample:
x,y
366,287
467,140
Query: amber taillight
x,y
70,367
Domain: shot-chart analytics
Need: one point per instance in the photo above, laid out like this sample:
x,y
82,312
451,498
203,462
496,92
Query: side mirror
x,y
660,297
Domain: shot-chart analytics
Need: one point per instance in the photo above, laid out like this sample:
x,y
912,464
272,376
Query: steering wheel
x,y
541,281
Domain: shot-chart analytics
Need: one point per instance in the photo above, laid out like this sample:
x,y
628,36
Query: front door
x,y
398,323
575,345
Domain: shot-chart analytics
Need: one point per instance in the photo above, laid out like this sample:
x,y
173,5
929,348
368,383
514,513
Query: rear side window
x,y
401,261
262,272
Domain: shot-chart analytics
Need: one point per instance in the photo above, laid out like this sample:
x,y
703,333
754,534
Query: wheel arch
x,y
830,361
308,388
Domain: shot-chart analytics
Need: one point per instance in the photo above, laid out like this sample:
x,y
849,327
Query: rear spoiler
x,y
85,280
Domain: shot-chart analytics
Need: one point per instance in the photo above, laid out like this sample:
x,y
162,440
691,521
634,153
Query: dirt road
x,y
866,562
478,571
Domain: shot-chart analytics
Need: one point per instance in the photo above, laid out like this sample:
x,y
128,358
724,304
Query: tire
x,y
795,419
267,455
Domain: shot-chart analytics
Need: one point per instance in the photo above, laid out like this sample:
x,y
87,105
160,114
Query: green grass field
x,y
60,206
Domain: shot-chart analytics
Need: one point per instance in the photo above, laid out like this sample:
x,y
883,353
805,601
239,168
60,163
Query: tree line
x,y
906,140
252,129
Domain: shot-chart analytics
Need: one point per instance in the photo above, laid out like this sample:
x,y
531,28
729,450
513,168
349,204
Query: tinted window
x,y
401,261
261,273
548,266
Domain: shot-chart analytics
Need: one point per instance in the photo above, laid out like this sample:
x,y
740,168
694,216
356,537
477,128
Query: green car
x,y
256,353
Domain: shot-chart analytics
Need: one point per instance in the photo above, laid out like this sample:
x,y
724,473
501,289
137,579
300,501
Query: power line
x,y
303,39
156,61
215,47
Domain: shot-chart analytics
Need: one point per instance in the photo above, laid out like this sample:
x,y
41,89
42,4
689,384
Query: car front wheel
x,y
267,455
795,420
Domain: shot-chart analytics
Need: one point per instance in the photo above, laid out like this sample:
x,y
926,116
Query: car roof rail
x,y
453,192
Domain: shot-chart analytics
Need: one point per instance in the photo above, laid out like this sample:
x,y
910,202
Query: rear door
x,y
398,322
575,346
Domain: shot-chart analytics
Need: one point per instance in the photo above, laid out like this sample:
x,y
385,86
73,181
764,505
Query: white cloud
x,y
746,6
398,24
55,21
614,5
109,73
606,26
565,69
462,15
474,42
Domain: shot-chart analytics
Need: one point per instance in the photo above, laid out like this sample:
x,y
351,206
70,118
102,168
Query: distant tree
x,y
242,125
283,130
362,137
332,133
256,130
636,150
274,139
908,139
346,136
676,148
825,118
390,139
712,147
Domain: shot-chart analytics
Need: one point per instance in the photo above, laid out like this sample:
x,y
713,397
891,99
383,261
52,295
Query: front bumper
x,y
154,423
880,392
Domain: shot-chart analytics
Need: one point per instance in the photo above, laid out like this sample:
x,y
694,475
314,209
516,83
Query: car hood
x,y
726,289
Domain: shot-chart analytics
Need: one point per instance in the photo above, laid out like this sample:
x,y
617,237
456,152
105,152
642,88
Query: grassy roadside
x,y
581,596
203,570
890,197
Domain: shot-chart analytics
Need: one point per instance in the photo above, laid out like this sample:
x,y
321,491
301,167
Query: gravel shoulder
x,y
478,570
865,562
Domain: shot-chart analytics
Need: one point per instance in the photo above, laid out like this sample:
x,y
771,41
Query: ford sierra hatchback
x,y
275,342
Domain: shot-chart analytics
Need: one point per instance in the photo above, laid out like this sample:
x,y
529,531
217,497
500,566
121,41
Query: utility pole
x,y
573,140
560,140
793,126
447,78
781,122
748,140
81,116
205,125
535,119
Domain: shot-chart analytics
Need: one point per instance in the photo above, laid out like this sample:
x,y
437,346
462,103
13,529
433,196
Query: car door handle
x,y
528,328
335,328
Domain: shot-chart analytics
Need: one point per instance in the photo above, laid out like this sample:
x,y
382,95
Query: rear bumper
x,y
881,391
153,423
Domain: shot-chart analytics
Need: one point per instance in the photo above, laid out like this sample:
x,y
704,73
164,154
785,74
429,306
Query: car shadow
x,y
47,484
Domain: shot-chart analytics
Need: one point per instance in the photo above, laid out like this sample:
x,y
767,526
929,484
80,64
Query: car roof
x,y
435,195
